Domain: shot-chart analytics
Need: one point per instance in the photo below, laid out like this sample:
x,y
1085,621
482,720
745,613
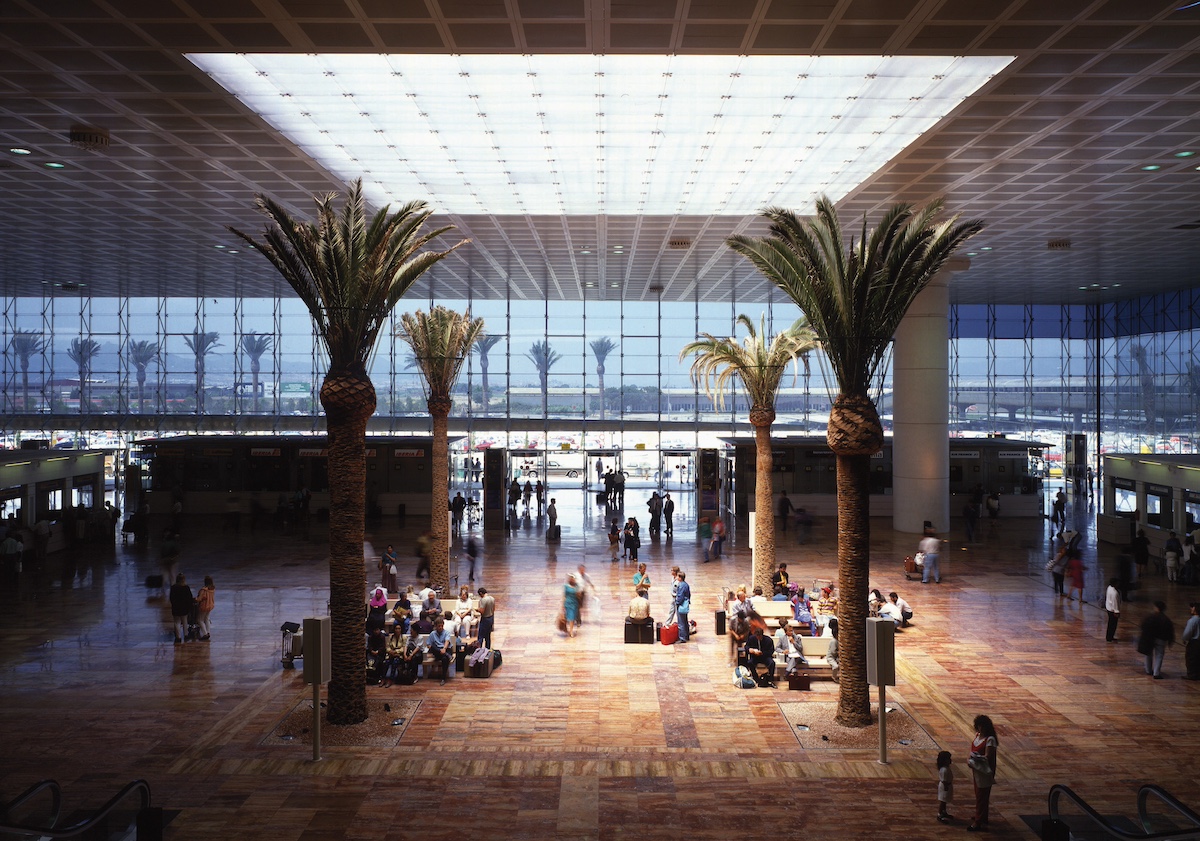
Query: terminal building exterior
x,y
596,153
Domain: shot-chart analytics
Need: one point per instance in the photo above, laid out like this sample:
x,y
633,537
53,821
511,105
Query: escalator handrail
x,y
1059,790
140,786
55,798
1166,797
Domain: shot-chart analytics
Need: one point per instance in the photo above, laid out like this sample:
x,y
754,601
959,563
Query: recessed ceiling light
x,y
53,165
454,163
585,251
972,253
985,248
17,150
1151,168
1186,154
218,246
614,285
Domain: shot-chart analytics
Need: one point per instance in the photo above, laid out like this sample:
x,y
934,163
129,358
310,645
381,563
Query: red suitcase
x,y
670,633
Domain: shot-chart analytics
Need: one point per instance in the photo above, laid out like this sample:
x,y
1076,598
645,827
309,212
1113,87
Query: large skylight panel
x,y
574,134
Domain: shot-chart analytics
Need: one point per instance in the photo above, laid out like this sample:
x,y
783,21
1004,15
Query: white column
x,y
920,408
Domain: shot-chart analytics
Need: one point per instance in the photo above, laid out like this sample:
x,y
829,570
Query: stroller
x,y
912,565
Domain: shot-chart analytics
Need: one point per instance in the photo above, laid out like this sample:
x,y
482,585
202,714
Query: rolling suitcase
x,y
670,633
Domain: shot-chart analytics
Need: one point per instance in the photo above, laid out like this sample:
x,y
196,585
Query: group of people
x,y
420,625
190,613
679,603
982,762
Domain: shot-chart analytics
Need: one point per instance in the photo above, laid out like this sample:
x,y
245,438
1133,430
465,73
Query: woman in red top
x,y
982,763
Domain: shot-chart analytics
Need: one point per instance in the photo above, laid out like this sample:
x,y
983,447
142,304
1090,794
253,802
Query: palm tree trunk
x,y
600,376
854,542
141,381
254,371
764,518
25,389
349,401
439,528
483,370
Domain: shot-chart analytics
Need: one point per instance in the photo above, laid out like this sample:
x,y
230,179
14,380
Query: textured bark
x,y
349,401
439,527
600,377
854,429
764,517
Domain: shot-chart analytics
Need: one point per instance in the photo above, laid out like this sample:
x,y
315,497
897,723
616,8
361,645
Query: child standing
x,y
945,786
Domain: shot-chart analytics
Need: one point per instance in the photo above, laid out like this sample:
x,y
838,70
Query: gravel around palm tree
x,y
350,270
482,345
25,344
201,343
759,365
601,348
256,345
141,354
440,340
855,297
543,358
82,352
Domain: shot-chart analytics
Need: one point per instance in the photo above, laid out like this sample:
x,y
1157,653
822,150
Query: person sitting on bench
x,y
794,659
439,644
639,609
760,651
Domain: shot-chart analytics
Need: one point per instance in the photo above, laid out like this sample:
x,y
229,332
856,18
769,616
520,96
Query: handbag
x,y
685,606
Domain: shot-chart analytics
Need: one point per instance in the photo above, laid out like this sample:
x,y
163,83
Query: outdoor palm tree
x,y
601,348
82,352
141,354
854,298
25,344
201,343
482,345
350,270
759,364
256,345
440,340
543,358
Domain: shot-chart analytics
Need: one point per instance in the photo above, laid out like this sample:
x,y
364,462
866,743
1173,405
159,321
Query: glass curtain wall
x,y
594,373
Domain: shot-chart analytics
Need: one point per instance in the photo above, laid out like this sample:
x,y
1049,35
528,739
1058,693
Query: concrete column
x,y
920,408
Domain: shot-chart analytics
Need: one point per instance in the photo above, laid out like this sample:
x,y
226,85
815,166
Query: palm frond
x,y
855,295
349,271
441,340
758,363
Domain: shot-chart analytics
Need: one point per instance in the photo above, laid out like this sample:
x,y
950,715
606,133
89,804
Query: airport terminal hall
x,y
599,419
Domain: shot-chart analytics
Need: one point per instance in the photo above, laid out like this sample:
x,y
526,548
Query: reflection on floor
x,y
583,738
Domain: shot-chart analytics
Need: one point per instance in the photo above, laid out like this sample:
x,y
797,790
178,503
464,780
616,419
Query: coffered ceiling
x,y
1052,153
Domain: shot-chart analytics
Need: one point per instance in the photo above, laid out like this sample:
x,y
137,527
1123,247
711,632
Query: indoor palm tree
x,y
350,270
82,352
482,345
601,348
141,354
440,340
25,344
543,358
759,365
255,345
201,343
855,297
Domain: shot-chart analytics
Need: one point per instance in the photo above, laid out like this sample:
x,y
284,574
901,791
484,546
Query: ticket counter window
x,y
1125,500
1158,510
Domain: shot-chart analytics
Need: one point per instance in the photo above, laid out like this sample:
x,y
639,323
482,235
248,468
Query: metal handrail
x,y
74,831
55,800
1166,797
1058,791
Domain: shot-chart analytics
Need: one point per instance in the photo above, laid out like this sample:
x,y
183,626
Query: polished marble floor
x,y
586,737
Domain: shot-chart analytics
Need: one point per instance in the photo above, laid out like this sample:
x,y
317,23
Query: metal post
x,y
883,724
